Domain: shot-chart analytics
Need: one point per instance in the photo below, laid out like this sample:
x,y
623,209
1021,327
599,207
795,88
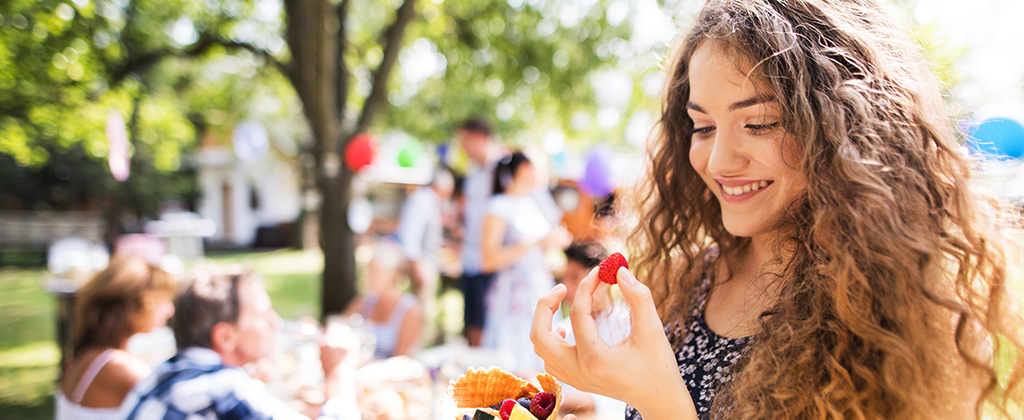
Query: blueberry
x,y
525,402
467,417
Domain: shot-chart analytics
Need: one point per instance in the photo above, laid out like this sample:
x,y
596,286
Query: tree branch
x,y
144,61
393,37
287,69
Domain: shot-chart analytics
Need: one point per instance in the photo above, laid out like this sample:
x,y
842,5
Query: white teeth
x,y
753,186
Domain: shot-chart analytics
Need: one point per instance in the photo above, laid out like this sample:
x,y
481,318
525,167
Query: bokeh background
x,y
283,134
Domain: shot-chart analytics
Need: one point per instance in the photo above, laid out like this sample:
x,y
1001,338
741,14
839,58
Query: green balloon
x,y
409,154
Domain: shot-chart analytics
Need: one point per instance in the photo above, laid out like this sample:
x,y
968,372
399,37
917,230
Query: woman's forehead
x,y
716,78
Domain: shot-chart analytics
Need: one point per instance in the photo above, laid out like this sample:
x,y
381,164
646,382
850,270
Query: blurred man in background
x,y
421,234
224,322
475,136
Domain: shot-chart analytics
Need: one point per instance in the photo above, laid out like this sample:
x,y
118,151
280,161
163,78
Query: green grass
x,y
28,353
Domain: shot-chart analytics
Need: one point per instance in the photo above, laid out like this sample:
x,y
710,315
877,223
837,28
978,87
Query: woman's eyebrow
x,y
750,102
738,105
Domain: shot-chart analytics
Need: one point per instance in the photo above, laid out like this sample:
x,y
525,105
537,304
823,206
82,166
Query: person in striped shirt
x,y
224,322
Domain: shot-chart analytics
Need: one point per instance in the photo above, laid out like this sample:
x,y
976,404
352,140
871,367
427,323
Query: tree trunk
x,y
338,244
316,38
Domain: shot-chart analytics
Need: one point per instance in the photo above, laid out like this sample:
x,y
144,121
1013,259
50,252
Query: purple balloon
x,y
597,175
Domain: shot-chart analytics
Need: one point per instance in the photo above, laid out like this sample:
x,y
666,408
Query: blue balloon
x,y
597,176
1001,137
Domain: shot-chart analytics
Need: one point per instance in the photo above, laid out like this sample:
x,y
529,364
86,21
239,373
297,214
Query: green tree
x,y
157,63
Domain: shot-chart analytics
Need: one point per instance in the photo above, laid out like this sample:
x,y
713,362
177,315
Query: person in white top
x,y
421,235
516,233
130,296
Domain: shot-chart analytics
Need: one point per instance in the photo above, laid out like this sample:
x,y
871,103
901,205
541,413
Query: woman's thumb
x,y
641,305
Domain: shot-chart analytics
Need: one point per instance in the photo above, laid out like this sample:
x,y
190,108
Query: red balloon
x,y
360,151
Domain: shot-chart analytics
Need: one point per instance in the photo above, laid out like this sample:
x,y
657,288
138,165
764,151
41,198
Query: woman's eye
x,y
761,129
702,132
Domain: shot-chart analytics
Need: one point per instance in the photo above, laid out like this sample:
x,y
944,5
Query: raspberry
x,y
544,402
610,266
506,408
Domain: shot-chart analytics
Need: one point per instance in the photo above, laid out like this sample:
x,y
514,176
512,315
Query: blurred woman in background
x,y
516,233
130,296
393,316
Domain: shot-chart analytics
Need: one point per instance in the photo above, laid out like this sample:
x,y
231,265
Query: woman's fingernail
x,y
625,276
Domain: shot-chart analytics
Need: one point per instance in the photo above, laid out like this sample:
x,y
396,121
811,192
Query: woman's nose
x,y
727,155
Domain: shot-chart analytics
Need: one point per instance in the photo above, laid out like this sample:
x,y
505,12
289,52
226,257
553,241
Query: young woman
x,y
130,296
516,233
808,236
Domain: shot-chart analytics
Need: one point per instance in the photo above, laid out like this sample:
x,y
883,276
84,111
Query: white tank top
x,y
69,408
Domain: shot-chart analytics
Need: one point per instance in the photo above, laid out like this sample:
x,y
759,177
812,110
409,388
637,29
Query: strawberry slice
x,y
610,266
506,408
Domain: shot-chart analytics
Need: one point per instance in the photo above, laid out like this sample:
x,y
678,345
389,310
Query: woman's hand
x,y
640,370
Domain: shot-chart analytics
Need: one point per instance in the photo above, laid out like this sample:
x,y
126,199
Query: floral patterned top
x,y
705,358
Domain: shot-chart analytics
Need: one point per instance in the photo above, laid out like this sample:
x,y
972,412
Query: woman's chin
x,y
741,228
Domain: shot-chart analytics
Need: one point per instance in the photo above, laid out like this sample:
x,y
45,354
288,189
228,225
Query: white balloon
x,y
360,215
251,141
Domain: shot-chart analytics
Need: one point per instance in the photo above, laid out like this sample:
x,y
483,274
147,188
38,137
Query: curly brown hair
x,y
895,283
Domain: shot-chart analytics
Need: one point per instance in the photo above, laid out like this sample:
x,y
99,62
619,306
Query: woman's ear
x,y
224,338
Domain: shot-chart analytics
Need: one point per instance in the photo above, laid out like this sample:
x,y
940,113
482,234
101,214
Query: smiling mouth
x,y
744,189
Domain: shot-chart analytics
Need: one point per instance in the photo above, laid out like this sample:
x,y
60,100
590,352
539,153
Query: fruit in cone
x,y
480,389
521,413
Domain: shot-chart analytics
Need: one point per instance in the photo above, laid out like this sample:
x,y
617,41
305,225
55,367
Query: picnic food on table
x,y
610,267
486,394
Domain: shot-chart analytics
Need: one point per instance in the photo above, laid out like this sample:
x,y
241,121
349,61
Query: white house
x,y
240,197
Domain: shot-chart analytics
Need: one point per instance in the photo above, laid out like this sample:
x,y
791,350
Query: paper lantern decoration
x,y
999,137
360,152
597,176
117,146
250,140
410,153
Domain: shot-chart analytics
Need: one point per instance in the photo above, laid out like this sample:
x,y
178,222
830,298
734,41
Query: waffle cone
x,y
482,388
548,383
